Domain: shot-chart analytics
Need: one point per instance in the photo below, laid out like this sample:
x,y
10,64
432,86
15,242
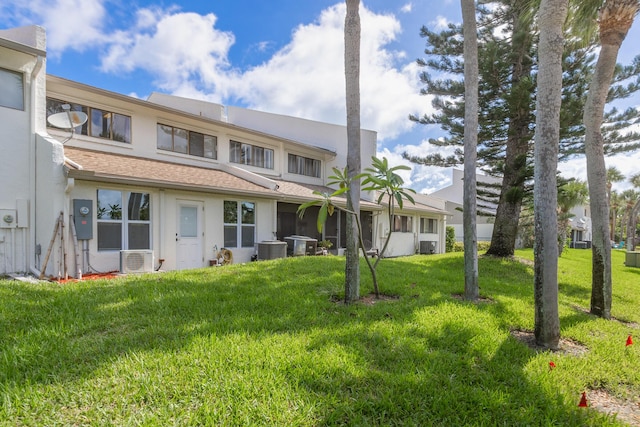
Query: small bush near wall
x,y
451,239
482,246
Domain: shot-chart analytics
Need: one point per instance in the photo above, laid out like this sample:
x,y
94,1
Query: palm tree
x,y
571,194
614,19
469,212
614,204
352,80
613,175
627,199
634,210
551,17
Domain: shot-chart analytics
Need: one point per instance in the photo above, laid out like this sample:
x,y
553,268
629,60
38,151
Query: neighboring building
x,y
166,179
453,196
580,227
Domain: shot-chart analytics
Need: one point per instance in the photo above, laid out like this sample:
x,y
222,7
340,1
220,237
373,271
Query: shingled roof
x,y
103,166
110,167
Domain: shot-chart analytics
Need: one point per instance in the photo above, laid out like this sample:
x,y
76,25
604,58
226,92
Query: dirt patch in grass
x,y
524,261
370,299
626,410
481,299
629,323
566,345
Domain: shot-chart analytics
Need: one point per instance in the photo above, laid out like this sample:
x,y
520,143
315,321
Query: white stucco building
x,y
166,178
453,196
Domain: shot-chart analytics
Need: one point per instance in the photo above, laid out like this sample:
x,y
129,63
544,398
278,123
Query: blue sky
x,y
281,56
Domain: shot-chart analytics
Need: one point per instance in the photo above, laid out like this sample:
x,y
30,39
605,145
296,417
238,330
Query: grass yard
x,y
266,344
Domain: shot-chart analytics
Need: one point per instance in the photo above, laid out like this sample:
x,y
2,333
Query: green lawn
x,y
265,343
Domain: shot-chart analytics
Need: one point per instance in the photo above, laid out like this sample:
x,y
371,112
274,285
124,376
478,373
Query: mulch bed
x,y
89,276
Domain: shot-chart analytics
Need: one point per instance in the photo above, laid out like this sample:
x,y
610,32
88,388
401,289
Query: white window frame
x,y
298,165
124,220
91,112
9,96
188,148
251,155
425,225
406,224
239,225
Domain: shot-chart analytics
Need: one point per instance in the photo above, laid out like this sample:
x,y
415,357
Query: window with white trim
x,y
304,166
402,223
428,225
123,228
239,224
178,140
252,155
100,124
11,89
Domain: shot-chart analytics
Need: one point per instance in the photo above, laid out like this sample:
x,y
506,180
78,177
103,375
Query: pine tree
x,y
506,97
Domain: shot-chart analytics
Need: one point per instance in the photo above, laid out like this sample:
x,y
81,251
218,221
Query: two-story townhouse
x,y
169,178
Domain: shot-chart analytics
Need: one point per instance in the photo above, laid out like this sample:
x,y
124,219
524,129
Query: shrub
x,y
451,239
459,246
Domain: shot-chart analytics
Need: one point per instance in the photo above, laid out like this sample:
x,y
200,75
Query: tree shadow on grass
x,y
437,377
52,334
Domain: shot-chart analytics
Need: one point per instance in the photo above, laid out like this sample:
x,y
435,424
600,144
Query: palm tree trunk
x,y
551,16
352,81
631,227
615,17
469,211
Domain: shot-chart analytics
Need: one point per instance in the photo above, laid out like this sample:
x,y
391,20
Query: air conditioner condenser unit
x,y
136,261
427,247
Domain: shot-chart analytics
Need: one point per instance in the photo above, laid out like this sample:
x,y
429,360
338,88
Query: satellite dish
x,y
67,119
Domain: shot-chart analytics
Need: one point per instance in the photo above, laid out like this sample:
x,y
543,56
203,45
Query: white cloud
x,y
440,23
626,163
70,24
407,8
185,54
423,179
306,77
181,50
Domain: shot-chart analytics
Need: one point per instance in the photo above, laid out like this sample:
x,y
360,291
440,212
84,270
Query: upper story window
x,y
304,166
11,89
188,142
428,225
101,123
252,155
402,223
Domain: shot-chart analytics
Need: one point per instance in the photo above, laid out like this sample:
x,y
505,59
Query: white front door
x,y
189,236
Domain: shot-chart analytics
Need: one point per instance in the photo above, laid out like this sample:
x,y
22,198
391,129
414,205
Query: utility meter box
x,y
83,218
8,218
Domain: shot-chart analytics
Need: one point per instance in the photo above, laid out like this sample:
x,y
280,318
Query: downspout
x,y
33,152
274,223
162,227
